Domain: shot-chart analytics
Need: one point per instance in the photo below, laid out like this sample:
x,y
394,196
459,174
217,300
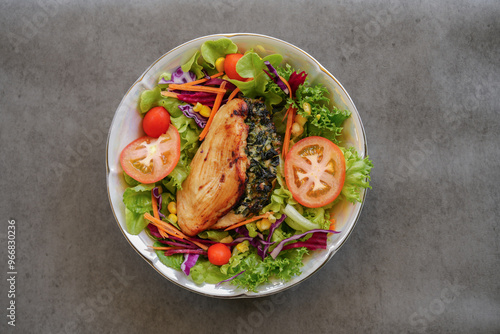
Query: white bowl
x,y
126,127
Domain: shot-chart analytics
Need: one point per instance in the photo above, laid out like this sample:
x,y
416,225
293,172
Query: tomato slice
x,y
315,171
148,159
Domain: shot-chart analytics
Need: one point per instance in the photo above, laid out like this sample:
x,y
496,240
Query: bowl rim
x,y
246,294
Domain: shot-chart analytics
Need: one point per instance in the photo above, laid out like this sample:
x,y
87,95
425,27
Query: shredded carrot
x,y
265,215
215,108
196,88
233,94
167,227
168,94
287,86
162,232
170,229
204,79
155,205
289,123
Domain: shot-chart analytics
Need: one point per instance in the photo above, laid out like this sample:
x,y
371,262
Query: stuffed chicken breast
x,y
233,171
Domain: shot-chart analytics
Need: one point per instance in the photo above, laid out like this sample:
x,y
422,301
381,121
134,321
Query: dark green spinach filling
x,y
263,153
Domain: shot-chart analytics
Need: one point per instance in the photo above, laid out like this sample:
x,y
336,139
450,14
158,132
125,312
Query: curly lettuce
x,y
252,66
357,175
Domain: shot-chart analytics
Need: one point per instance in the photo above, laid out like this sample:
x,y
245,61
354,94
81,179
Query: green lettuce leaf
x,y
153,98
213,50
138,199
258,271
130,181
213,235
135,222
252,66
193,66
357,174
189,133
204,271
172,261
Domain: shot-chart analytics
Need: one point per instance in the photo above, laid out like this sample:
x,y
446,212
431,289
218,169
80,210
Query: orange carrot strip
x,y
204,80
162,232
215,108
287,86
167,227
168,94
265,215
199,244
289,123
233,94
170,229
155,205
196,88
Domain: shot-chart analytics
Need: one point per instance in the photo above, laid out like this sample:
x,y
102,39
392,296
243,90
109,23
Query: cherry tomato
x,y
156,122
148,159
230,66
219,254
315,171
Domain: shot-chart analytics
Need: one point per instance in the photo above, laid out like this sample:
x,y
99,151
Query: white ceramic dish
x,y
126,127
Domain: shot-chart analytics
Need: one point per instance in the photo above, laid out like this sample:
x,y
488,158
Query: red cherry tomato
x,y
230,66
219,254
315,171
156,122
148,159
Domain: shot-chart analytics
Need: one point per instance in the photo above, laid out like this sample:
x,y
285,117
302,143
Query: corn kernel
x,y
226,240
263,224
242,247
301,120
297,129
172,207
172,218
219,64
198,106
307,108
205,111
318,116
160,190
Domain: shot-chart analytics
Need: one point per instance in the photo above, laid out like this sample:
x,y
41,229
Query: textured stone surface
x,y
424,256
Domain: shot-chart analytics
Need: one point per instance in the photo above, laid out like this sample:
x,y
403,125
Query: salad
x,y
270,203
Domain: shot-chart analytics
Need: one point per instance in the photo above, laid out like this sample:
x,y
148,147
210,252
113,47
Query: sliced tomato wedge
x,y
149,159
315,171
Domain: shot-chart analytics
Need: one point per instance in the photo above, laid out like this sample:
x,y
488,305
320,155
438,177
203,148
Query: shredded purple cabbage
x,y
188,111
280,246
273,227
189,262
179,77
229,279
316,241
276,78
218,82
179,244
157,196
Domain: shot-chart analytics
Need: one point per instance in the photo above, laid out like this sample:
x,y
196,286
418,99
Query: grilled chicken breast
x,y
217,178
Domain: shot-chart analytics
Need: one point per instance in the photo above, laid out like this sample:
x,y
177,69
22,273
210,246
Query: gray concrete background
x,y
424,256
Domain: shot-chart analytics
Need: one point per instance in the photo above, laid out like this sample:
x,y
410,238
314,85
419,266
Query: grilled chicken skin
x,y
217,178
